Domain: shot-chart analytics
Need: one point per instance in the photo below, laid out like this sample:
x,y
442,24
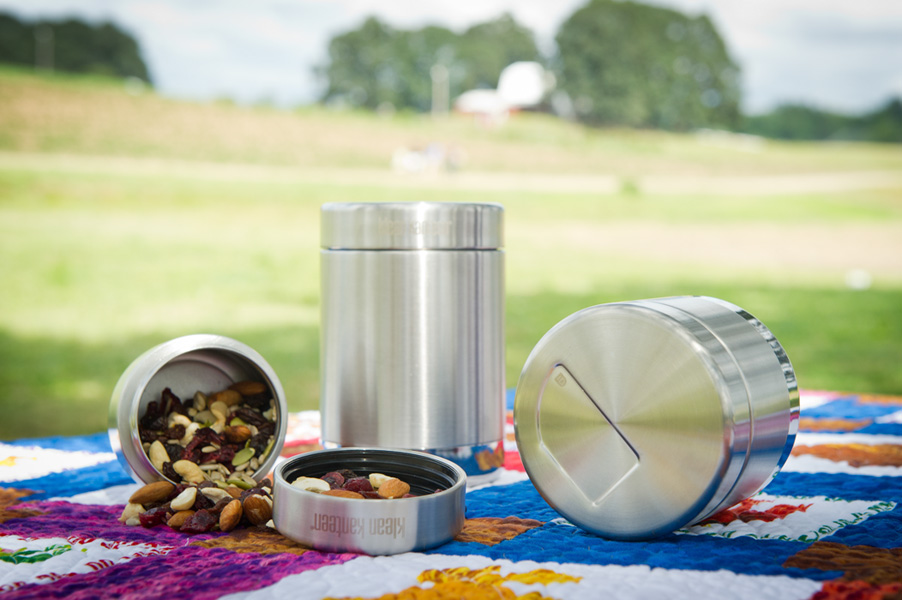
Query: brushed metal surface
x,y
412,226
635,419
412,340
335,524
186,364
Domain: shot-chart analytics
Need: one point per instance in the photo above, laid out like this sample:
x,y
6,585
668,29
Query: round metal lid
x,y
411,226
623,422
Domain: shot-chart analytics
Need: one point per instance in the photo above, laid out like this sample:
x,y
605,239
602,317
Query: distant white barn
x,y
520,85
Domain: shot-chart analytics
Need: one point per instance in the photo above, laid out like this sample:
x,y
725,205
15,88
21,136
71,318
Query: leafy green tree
x,y
73,46
376,64
629,64
485,49
798,122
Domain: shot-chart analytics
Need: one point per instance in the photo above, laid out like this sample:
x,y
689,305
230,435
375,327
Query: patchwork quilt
x,y
828,526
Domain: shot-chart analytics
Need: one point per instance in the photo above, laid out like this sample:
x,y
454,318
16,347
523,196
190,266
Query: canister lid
x,y
411,226
635,419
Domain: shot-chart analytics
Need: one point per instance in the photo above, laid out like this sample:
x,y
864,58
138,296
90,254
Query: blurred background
x,y
162,166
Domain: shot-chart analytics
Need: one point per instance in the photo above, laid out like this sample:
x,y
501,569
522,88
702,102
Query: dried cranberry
x,y
200,522
347,473
154,516
222,456
373,495
334,479
202,437
358,484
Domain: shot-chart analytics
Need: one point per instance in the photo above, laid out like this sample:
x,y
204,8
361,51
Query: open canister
x,y
635,419
196,363
412,335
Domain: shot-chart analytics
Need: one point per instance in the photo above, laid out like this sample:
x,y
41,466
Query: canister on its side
x,y
635,419
188,364
412,332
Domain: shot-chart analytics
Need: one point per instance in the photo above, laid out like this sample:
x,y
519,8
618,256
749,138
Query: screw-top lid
x,y
635,419
412,226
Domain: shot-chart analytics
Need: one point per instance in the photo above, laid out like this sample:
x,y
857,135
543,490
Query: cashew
x,y
185,500
158,455
189,471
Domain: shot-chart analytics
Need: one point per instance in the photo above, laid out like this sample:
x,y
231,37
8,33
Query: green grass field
x,y
128,220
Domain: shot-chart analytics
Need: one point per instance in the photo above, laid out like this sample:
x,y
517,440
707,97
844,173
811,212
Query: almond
x,y
237,433
179,518
228,397
234,491
393,488
248,388
152,492
341,494
257,509
230,515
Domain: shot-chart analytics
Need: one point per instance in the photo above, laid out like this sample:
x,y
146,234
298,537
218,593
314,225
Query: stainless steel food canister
x,y
187,364
412,332
635,419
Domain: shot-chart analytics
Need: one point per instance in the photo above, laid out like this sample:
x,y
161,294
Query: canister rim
x,y
412,226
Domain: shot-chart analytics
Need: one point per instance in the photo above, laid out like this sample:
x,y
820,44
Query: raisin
x,y
200,522
201,501
169,473
255,491
171,404
176,432
154,418
249,415
221,504
174,451
259,443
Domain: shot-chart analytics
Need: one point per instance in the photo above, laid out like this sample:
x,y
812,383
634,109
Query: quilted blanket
x,y
828,526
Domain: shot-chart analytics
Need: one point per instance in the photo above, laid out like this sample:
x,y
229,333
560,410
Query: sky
x,y
839,55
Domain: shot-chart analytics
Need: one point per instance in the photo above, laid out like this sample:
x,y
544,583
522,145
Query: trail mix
x,y
199,508
222,438
347,484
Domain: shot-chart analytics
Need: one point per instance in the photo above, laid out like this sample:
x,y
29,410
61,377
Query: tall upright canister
x,y
412,329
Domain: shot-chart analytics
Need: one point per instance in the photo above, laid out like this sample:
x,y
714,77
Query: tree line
x,y
72,46
617,63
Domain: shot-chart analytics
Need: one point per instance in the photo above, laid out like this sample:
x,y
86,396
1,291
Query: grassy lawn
x,y
124,222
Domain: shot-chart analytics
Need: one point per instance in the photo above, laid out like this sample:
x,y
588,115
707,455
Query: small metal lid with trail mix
x,y
634,419
198,408
336,500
